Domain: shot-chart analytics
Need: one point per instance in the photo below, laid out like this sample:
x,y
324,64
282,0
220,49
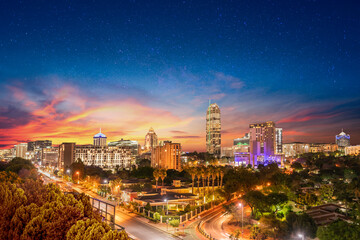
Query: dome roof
x,y
99,135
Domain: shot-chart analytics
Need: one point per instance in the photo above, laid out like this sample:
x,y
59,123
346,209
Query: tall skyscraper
x,y
20,149
213,130
39,144
278,140
167,156
342,140
262,142
151,139
100,139
66,155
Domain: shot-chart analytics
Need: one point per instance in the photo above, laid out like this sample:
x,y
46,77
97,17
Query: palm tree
x,y
203,175
198,176
217,172
156,174
163,175
212,171
222,172
192,172
115,184
208,175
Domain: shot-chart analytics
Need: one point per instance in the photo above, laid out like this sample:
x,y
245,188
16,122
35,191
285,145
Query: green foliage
x,y
157,216
301,223
273,227
148,207
31,210
174,222
142,172
297,166
187,208
77,166
17,164
339,230
326,192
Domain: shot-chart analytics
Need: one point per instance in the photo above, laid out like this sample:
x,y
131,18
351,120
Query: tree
x,y
277,201
273,227
222,173
297,166
148,207
31,210
156,174
17,164
192,172
77,169
115,185
326,192
203,176
257,202
174,222
163,175
212,171
301,223
339,230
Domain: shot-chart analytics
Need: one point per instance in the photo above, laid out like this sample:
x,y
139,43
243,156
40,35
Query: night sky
x,y
68,68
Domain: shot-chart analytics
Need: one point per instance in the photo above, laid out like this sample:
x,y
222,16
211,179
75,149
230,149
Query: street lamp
x,y
167,206
242,219
301,236
78,174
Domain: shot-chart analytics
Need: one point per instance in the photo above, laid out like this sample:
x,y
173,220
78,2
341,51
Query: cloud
x,y
178,132
233,82
188,136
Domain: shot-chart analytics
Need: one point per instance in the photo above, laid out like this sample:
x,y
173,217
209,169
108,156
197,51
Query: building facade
x,y
263,143
100,139
39,144
107,157
352,150
342,140
294,149
242,141
167,156
49,156
21,149
278,140
151,140
66,155
213,130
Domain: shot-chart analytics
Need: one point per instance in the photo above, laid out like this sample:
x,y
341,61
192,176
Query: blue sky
x,y
296,63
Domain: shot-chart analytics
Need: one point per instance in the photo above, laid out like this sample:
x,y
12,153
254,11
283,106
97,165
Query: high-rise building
x,y
21,149
295,149
133,145
278,140
342,140
262,143
107,157
352,150
213,130
39,144
49,156
167,156
66,155
100,139
151,139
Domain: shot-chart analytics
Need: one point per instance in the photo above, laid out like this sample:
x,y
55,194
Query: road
x,y
211,223
136,228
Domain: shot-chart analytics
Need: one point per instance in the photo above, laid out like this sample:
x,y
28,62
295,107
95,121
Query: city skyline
x,y
74,69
